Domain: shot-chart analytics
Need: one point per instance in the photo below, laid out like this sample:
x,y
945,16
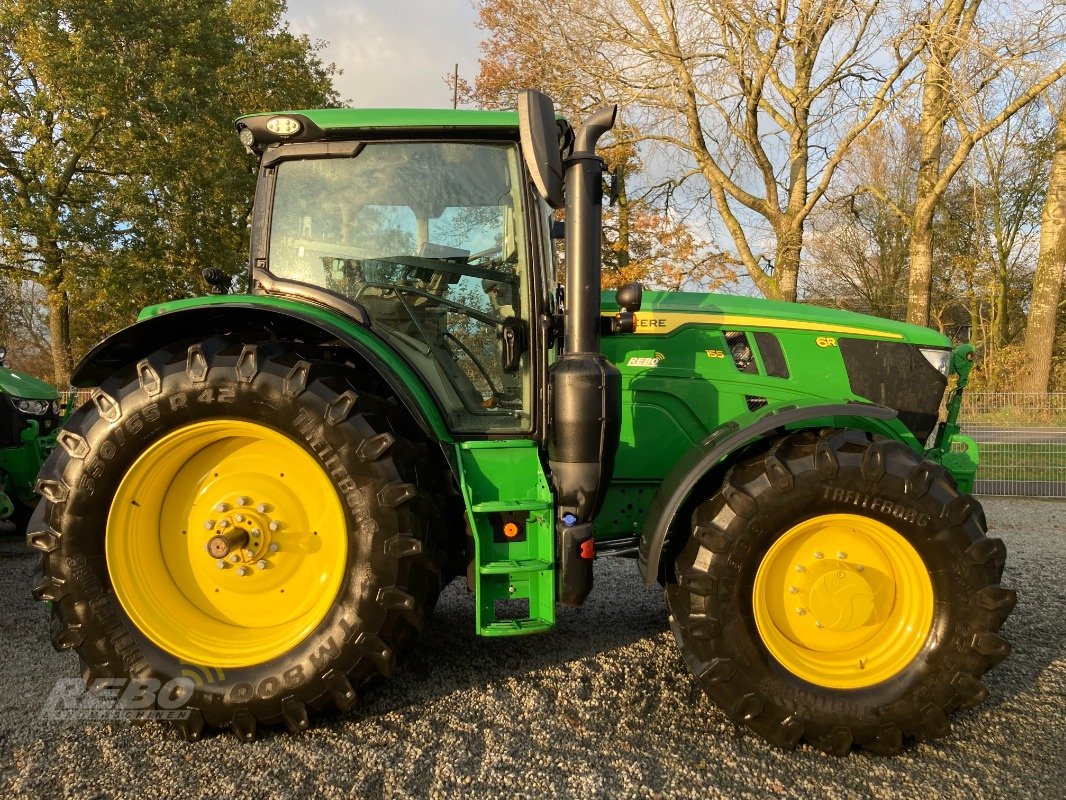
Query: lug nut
x,y
239,517
234,558
261,508
859,567
220,564
242,571
273,547
221,507
842,555
261,564
224,523
209,524
255,531
818,554
792,590
818,624
274,525
801,611
800,568
242,501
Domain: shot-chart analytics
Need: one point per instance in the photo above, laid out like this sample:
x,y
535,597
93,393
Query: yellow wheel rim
x,y
843,601
226,543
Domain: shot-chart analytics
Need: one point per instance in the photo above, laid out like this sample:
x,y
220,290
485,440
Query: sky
x,y
393,53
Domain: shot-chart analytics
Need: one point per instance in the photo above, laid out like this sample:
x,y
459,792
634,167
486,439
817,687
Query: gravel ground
x,y
602,706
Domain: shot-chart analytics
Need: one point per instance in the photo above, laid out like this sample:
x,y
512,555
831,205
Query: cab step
x,y
510,511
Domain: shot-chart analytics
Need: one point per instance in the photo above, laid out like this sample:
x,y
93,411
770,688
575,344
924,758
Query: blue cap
x,y
569,519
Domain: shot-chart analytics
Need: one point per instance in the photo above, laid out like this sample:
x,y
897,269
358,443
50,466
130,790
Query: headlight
x,y
55,406
940,359
35,407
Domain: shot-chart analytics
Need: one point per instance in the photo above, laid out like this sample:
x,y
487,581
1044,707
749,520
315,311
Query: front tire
x,y
266,451
839,590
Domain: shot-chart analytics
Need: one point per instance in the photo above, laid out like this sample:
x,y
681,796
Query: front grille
x,y
896,375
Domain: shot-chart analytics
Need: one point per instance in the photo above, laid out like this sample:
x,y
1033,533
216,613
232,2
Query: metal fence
x,y
1022,438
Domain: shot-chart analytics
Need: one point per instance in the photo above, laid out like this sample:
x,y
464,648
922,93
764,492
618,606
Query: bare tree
x,y
968,55
759,99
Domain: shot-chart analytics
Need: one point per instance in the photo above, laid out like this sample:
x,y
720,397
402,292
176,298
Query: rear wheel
x,y
839,590
238,519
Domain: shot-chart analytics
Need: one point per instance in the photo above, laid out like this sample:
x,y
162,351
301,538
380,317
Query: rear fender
x,y
726,443
268,317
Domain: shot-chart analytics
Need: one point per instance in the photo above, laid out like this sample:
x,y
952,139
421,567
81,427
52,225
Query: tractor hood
x,y
665,311
19,384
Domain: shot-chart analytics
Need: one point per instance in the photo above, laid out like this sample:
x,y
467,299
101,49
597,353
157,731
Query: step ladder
x,y
510,512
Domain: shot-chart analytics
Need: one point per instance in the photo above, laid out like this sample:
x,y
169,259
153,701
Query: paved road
x,y
600,707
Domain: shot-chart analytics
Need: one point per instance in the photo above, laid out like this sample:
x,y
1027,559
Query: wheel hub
x,y
226,543
848,620
249,534
840,600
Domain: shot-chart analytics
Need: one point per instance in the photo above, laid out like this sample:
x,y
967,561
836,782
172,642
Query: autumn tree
x,y
642,239
120,177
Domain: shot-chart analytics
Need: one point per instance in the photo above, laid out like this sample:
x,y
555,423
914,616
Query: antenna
x,y
455,87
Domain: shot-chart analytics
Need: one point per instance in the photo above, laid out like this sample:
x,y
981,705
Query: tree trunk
x,y
787,262
59,333
920,283
623,220
1047,283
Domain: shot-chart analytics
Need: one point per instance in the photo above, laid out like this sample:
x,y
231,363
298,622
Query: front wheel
x,y
839,590
237,521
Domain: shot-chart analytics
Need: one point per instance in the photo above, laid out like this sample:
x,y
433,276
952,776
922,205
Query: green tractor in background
x,y
272,487
29,420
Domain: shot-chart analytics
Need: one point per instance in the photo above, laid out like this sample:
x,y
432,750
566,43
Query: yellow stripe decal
x,y
668,321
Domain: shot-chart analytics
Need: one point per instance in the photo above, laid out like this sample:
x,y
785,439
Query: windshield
x,y
427,237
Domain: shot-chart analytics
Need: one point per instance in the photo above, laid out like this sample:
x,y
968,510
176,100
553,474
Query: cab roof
x,y
336,119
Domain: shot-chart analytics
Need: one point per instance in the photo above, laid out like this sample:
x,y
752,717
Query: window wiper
x,y
444,265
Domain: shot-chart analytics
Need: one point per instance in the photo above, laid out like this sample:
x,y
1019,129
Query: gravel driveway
x,y
602,706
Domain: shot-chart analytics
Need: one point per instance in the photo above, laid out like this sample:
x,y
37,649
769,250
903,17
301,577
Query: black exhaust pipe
x,y
585,388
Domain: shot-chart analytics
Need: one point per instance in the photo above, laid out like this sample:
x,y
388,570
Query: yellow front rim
x,y
276,531
843,601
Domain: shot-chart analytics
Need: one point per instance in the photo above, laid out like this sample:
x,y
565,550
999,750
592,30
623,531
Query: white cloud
x,y
394,53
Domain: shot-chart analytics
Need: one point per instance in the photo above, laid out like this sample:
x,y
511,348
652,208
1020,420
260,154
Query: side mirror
x,y
539,135
629,296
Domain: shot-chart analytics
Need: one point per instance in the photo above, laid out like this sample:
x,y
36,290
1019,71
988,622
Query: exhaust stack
x,y
585,388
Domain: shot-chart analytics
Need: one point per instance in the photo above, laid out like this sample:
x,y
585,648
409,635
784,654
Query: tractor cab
x,y
424,237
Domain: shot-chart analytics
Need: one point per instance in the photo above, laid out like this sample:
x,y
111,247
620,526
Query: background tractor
x,y
29,420
274,485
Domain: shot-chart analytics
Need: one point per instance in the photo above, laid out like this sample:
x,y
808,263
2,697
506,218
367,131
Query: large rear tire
x,y
839,590
239,515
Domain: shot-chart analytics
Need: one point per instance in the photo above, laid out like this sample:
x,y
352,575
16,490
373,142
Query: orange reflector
x,y
510,530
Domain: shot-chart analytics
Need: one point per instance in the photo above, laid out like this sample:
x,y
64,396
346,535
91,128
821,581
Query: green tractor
x,y
270,488
29,420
